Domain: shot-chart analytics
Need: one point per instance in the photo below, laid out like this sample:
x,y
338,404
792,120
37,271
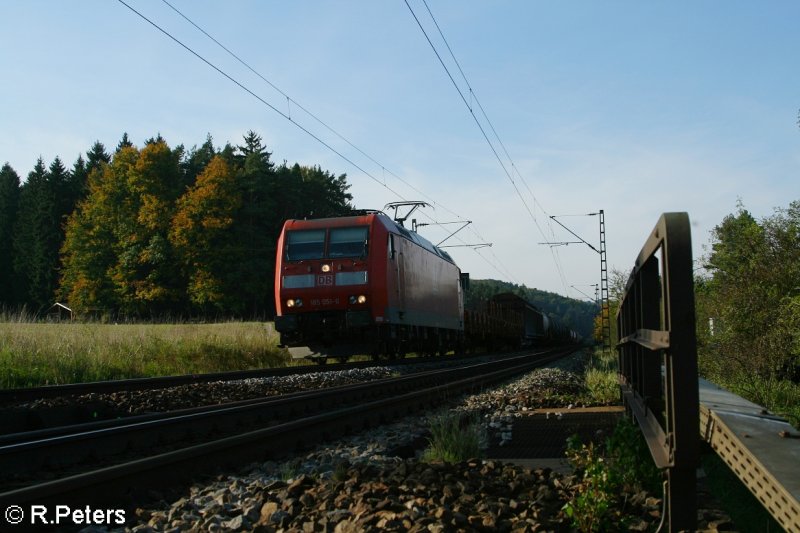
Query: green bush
x,y
590,508
624,465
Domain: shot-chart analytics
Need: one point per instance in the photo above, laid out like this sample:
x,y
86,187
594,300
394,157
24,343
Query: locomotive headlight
x,y
289,303
326,268
362,299
294,302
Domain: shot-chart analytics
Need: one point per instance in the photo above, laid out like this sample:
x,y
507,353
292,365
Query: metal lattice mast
x,y
605,311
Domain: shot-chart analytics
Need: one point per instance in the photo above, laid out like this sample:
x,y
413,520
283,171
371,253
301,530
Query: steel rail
x,y
63,446
378,402
24,394
18,419
68,429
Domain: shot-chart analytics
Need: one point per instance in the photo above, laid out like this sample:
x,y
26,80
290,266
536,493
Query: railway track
x,y
27,394
39,408
228,435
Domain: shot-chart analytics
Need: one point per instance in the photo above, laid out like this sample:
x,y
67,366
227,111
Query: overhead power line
x,y
288,117
291,100
257,97
483,111
472,94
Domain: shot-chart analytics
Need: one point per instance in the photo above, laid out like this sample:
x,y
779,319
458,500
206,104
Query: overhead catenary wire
x,y
257,97
486,116
288,116
556,259
483,111
473,95
480,106
463,98
290,101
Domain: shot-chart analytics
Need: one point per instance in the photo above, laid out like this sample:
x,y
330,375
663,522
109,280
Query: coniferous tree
x,y
96,157
9,204
323,194
37,235
60,182
197,159
152,140
78,179
124,143
255,231
228,153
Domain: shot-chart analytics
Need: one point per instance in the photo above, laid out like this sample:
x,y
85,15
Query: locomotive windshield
x,y
348,242
305,244
342,242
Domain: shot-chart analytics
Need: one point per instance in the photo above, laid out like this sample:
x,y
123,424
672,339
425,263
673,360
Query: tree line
x,y
748,303
155,231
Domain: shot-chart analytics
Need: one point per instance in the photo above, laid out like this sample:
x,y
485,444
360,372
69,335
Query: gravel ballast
x,y
376,481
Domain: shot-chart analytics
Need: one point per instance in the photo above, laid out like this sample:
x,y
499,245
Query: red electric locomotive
x,y
365,285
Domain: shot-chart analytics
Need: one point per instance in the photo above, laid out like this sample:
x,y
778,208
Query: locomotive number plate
x,y
324,301
324,279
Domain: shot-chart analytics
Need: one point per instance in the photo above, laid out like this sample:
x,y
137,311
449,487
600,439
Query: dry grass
x,y
34,354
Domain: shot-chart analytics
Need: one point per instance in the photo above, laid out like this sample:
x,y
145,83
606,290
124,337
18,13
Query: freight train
x,y
365,284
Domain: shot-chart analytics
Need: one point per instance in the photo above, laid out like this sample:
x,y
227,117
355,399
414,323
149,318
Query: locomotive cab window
x,y
348,242
305,244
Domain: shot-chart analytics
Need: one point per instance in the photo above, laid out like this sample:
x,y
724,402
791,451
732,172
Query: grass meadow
x,y
39,353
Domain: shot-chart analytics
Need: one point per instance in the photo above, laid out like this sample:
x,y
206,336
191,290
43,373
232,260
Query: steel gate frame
x,y
658,361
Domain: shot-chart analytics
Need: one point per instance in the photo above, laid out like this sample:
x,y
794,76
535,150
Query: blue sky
x,y
631,107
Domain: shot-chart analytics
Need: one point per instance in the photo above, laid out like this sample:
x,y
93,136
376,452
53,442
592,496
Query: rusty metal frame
x,y
658,361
